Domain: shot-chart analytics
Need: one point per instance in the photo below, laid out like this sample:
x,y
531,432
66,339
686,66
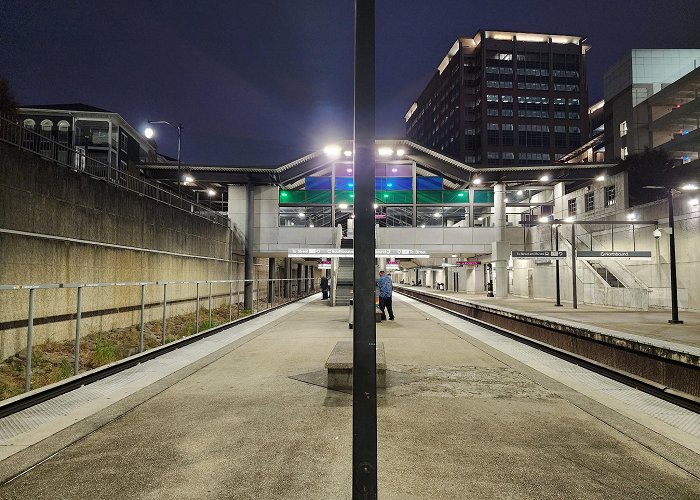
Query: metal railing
x,y
77,160
266,293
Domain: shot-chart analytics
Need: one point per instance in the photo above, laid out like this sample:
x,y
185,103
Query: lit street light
x,y
149,133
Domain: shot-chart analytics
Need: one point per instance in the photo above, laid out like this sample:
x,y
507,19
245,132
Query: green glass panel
x,y
344,197
393,197
430,197
318,197
456,196
295,196
483,196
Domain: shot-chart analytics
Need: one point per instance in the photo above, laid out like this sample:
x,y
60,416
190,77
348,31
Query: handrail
x,y
77,160
265,289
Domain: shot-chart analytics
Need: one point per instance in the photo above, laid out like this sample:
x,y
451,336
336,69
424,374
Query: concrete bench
x,y
339,366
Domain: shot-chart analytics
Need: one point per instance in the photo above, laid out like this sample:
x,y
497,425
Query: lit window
x,y
609,195
572,206
623,128
623,153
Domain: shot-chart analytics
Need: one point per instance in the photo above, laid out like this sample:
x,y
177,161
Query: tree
x,y
8,103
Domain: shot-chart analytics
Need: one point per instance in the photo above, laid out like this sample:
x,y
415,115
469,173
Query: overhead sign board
x,y
606,254
468,263
539,254
410,253
348,253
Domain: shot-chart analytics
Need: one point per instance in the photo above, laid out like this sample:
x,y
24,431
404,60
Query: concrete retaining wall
x,y
39,200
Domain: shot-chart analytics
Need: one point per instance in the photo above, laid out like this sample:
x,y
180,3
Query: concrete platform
x,y
473,422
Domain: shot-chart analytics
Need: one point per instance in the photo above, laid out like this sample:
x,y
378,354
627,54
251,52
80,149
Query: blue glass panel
x,y
343,183
393,184
429,183
318,183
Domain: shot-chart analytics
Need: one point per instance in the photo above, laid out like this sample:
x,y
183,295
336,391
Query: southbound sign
x,y
539,254
604,254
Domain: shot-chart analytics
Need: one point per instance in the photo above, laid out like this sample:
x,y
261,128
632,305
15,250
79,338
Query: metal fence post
x,y
30,332
165,307
238,303
196,315
143,314
210,284
76,360
257,299
230,299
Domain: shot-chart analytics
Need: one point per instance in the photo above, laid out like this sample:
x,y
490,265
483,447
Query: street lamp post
x,y
556,242
672,247
149,134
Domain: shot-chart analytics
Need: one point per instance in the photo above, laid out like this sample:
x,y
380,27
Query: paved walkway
x,y
653,323
460,419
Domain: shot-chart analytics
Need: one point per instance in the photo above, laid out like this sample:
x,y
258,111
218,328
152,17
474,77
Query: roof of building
x,y
76,106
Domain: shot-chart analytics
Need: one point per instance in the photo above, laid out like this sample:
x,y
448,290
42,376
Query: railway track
x,y
618,361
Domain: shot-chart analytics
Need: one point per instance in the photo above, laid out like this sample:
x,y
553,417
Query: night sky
x,y
266,81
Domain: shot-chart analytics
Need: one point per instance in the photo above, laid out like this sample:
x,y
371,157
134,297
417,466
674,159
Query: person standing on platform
x,y
385,288
324,287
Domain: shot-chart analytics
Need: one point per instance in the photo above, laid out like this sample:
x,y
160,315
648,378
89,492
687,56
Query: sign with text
x,y
348,253
539,254
606,254
468,263
324,264
392,265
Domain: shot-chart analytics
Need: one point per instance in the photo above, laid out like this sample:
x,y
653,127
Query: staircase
x,y
607,275
344,276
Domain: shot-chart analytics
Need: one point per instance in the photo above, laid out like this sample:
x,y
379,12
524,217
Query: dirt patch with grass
x,y
53,361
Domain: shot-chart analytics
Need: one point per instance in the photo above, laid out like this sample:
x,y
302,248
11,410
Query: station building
x,y
651,102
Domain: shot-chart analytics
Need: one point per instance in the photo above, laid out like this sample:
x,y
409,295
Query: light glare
x,y
148,133
332,150
385,151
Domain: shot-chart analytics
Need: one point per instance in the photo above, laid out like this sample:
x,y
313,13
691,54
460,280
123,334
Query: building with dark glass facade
x,y
505,98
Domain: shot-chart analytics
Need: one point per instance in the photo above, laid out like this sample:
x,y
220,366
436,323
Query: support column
x,y
298,279
500,249
270,277
306,279
311,281
249,233
288,277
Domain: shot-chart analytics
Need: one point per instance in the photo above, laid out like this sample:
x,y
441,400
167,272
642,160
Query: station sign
x,y
320,252
468,263
348,253
324,264
410,253
392,265
539,254
606,254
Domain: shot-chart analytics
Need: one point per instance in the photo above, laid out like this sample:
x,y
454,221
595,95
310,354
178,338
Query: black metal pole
x,y
573,265
364,392
270,279
179,140
674,284
248,271
556,242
